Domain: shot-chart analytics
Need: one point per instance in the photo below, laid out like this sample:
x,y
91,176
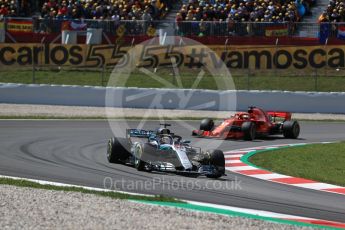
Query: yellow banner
x,y
2,25
235,57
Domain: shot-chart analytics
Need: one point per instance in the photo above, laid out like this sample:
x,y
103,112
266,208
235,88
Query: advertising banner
x,y
276,31
235,57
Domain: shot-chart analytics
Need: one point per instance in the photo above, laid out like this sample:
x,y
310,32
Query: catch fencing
x,y
184,28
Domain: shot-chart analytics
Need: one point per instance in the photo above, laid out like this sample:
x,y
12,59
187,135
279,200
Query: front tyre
x,y
216,159
206,124
139,164
291,129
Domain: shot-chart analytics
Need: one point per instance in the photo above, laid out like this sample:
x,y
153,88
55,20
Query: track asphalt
x,y
74,152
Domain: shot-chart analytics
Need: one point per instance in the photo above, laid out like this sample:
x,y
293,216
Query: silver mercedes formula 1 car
x,y
163,151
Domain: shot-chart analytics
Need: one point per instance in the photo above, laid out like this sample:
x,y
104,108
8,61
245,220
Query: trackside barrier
x,y
304,102
299,102
119,97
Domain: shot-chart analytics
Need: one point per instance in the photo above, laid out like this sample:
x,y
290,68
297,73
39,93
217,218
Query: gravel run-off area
x,y
27,208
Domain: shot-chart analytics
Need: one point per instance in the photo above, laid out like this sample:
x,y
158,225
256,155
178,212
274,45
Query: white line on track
x,y
232,161
270,176
239,168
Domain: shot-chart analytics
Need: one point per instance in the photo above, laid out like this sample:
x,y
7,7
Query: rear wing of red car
x,y
285,115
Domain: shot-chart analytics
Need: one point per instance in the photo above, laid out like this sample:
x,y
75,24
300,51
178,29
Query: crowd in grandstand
x,y
243,10
19,8
335,12
89,9
227,13
106,9
106,12
195,10
224,14
8,8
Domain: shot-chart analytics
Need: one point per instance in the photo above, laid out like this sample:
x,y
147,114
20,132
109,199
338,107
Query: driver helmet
x,y
163,131
245,116
165,140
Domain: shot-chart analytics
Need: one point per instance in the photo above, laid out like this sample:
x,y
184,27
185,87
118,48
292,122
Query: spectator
x,y
323,17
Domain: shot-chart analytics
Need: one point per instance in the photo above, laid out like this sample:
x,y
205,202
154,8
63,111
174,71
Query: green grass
x,y
114,195
319,162
63,77
94,77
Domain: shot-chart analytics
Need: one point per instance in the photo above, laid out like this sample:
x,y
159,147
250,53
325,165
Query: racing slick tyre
x,y
249,130
206,124
139,164
216,158
291,129
116,150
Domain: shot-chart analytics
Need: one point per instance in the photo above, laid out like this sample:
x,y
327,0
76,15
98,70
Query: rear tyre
x,y
216,158
139,164
249,130
206,124
116,151
291,129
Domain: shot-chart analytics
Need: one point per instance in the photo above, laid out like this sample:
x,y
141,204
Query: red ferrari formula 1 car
x,y
248,125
